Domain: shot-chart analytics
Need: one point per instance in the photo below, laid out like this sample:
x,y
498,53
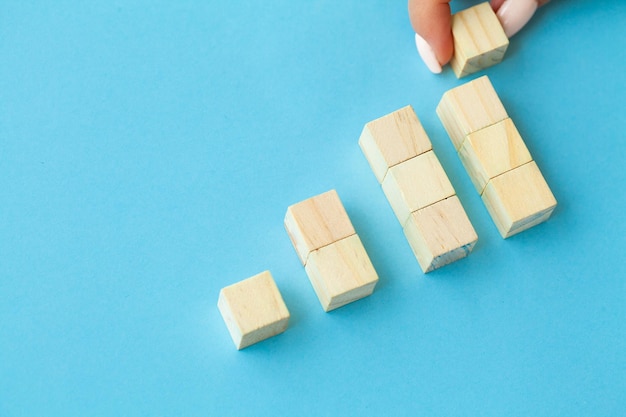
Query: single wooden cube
x,y
468,108
492,151
440,234
253,310
479,40
415,184
341,273
518,199
317,222
392,139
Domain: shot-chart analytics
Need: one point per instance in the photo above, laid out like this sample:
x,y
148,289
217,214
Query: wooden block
x,y
415,184
253,310
341,273
479,40
393,139
317,222
440,234
492,151
518,199
468,108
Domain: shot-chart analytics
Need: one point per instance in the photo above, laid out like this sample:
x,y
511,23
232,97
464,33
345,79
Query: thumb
x,y
431,20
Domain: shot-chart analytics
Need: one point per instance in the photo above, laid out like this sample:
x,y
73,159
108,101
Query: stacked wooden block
x,y
253,310
419,192
495,157
330,250
479,40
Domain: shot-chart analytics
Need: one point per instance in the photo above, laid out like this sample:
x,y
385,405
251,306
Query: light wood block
x,y
317,222
492,151
468,108
440,234
479,40
341,273
415,184
392,139
253,310
518,199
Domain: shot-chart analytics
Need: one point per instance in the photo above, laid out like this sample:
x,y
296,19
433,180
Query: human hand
x,y
431,21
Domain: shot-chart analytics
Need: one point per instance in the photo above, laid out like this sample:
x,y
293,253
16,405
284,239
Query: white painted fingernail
x,y
514,14
427,54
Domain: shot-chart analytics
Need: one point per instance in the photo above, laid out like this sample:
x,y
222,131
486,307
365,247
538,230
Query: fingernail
x,y
427,54
514,14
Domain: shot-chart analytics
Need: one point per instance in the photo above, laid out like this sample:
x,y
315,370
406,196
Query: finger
x,y
514,14
431,21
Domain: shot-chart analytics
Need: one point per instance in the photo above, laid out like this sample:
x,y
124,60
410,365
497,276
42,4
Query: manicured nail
x,y
427,54
514,14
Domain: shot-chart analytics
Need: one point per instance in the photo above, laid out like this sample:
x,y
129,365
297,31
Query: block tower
x,y
333,256
417,188
495,157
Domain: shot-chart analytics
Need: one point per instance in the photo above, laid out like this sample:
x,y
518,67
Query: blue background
x,y
148,153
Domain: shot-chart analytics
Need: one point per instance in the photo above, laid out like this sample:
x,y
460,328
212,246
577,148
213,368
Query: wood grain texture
x,y
440,234
253,310
479,40
341,273
392,139
317,222
468,108
415,184
492,151
518,199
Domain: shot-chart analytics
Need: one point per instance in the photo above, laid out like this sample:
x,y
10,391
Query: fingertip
x,y
432,21
514,15
427,54
496,4
443,46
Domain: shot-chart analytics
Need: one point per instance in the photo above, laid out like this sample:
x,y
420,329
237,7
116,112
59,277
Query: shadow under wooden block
x,y
392,139
341,273
440,234
253,310
316,222
479,40
518,199
492,151
468,108
415,184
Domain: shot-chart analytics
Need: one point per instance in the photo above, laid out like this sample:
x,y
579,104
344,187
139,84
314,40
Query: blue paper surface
x,y
149,151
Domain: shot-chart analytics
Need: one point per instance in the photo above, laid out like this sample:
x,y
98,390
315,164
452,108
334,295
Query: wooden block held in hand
x,y
492,151
518,199
341,273
468,108
392,139
317,222
253,310
415,184
479,40
440,234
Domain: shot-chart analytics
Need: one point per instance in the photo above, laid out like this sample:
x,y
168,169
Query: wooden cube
x,y
392,139
479,40
341,273
253,310
518,199
415,184
468,108
440,234
492,151
317,222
